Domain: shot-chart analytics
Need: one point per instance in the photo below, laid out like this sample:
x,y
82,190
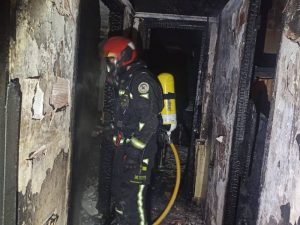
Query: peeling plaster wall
x,y
229,51
280,195
42,58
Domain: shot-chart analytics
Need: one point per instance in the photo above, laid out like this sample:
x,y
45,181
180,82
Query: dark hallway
x,y
83,123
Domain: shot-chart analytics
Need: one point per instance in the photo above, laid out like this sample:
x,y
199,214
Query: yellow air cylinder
x,y
169,111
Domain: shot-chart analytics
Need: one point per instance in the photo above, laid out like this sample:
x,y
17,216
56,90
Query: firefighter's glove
x,y
103,130
119,139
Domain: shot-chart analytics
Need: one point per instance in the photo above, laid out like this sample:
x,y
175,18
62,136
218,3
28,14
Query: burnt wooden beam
x,y
239,129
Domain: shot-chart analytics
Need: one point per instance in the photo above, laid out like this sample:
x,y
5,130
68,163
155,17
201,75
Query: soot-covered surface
x,y
161,190
188,7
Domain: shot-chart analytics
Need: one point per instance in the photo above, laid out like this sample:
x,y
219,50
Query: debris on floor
x,y
161,190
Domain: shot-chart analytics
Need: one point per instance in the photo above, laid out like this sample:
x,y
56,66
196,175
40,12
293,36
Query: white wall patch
x,y
38,103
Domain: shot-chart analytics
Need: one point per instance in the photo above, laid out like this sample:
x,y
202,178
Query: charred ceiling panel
x,y
189,7
42,58
280,196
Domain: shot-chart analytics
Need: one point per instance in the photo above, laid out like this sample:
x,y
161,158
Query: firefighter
x,y
138,103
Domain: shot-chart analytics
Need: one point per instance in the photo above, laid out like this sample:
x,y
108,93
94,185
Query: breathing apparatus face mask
x,y
108,66
114,70
111,69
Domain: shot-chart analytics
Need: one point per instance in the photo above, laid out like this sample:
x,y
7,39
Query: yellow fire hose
x,y
176,188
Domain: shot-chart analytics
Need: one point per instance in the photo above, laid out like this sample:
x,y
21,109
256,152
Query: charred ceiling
x,y
182,7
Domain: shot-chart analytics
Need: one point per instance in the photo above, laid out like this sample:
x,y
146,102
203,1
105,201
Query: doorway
x,y
85,158
177,51
248,151
177,47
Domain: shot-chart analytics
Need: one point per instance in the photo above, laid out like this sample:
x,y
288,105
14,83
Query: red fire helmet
x,y
120,49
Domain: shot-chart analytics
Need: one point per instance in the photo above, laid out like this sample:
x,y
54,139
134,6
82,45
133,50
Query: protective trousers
x,y
130,184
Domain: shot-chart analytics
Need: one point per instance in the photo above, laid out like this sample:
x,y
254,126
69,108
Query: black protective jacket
x,y
138,106
136,120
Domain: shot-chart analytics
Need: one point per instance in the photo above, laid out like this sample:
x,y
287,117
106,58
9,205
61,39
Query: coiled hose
x,y
176,188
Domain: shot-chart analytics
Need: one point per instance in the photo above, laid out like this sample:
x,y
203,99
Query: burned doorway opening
x,y
86,114
177,45
177,52
251,122
92,154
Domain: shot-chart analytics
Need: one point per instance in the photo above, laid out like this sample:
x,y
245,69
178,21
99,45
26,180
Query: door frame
x,y
240,121
10,109
144,22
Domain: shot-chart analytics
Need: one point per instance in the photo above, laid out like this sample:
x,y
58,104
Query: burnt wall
x,y
42,58
229,50
87,115
280,194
